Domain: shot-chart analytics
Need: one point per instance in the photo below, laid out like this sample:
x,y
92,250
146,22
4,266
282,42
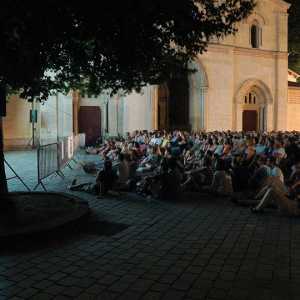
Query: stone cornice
x,y
260,54
246,52
217,49
281,3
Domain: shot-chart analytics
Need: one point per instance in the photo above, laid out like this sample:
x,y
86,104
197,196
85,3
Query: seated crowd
x,y
237,165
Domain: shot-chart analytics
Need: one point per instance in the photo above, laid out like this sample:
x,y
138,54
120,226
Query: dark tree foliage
x,y
101,44
50,46
294,36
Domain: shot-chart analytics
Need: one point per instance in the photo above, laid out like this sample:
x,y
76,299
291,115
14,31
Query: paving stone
x,y
141,285
119,287
10,291
196,294
131,295
54,289
57,276
107,295
40,296
160,287
173,294
6,283
73,291
95,289
217,294
28,293
85,296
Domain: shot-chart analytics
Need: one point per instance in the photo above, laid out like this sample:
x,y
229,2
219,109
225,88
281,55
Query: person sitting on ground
x,y
227,148
259,176
165,140
114,151
122,168
292,154
268,150
273,169
106,147
200,177
239,174
284,205
274,180
220,147
295,175
106,179
160,185
249,153
241,148
279,152
261,146
176,168
152,161
188,159
221,185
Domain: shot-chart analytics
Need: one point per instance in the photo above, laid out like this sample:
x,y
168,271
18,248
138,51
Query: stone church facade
x,y
239,83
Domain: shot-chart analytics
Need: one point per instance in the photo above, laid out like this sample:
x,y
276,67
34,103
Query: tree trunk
x,y
4,196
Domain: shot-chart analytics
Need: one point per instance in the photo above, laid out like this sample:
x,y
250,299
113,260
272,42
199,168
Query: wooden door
x,y
89,122
249,120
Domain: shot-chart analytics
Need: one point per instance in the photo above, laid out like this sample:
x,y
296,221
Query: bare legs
x,y
279,199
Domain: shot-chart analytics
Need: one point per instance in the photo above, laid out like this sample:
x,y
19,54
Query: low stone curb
x,y
80,212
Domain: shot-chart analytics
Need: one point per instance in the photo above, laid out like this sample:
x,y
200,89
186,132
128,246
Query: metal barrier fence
x,y
63,157
53,157
47,162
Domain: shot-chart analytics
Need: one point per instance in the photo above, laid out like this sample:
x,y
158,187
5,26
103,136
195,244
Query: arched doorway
x,y
173,104
183,102
254,107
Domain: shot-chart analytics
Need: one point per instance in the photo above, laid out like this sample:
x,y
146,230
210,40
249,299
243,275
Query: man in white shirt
x,y
273,170
260,147
122,168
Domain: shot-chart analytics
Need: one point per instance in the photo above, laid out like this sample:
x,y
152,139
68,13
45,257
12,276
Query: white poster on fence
x,y
70,146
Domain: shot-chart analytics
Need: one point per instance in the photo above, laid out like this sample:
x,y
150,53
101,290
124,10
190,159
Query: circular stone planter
x,y
39,211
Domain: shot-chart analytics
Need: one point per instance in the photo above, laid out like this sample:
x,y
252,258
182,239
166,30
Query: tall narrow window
x,y
250,98
254,34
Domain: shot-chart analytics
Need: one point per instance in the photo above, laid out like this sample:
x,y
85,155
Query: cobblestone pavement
x,y
194,248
